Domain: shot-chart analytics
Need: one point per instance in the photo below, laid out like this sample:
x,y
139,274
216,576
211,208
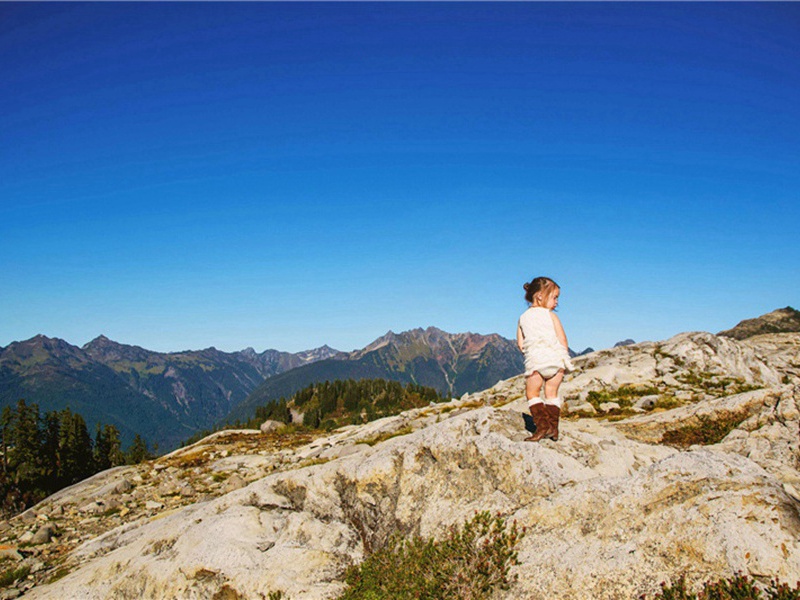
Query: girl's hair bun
x,y
539,284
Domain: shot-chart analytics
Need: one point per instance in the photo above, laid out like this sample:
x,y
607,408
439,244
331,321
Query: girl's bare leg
x,y
533,386
551,385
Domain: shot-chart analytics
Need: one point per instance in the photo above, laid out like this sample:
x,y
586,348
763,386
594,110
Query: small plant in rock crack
x,y
469,563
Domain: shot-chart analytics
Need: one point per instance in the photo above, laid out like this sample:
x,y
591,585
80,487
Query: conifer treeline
x,y
42,454
336,403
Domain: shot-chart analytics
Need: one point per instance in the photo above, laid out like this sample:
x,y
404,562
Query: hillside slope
x,y
612,509
783,320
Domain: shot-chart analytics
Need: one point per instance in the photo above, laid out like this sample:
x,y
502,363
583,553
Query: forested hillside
x,y
42,454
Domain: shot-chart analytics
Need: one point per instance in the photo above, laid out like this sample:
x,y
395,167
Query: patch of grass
x,y
708,430
738,587
58,574
313,461
9,576
618,414
481,403
716,385
667,402
624,395
386,436
470,563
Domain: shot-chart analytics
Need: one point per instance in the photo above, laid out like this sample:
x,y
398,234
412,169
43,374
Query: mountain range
x,y
165,397
168,397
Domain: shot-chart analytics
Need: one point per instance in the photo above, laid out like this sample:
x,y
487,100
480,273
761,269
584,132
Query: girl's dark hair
x,y
539,286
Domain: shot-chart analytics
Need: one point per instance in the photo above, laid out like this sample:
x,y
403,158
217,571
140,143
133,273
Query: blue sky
x,y
287,175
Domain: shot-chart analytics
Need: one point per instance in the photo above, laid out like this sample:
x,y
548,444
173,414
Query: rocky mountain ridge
x,y
165,397
782,320
636,491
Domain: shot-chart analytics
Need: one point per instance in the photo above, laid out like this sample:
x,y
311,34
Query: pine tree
x,y
50,451
102,449
26,442
5,432
75,449
115,454
138,451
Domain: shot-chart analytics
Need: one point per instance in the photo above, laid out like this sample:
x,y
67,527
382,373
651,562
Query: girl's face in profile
x,y
551,301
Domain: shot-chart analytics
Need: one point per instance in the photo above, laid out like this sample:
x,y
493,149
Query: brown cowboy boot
x,y
553,415
542,421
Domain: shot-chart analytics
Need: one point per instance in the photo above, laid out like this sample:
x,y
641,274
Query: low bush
x,y
738,587
708,430
468,564
9,576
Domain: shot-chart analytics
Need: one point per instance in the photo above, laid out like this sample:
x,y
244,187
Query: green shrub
x,y
738,587
468,564
11,575
709,430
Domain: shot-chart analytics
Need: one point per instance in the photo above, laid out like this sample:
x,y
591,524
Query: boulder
x,y
123,487
271,426
43,535
234,482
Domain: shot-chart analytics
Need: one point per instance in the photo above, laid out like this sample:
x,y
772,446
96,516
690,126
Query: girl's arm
x,y
562,337
520,338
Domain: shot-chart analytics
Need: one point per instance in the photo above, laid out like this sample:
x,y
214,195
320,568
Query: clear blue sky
x,y
273,175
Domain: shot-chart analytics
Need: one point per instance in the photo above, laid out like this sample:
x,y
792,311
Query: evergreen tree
x,y
138,451
116,456
102,449
50,451
5,432
75,449
26,441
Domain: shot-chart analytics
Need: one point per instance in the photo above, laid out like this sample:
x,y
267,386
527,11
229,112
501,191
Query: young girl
x,y
541,338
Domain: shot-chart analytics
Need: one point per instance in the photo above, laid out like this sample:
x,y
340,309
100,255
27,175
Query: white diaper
x,y
549,371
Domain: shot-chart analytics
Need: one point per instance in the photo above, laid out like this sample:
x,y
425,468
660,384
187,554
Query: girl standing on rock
x,y
541,338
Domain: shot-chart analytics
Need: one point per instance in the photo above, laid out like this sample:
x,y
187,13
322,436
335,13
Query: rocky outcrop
x,y
783,320
618,505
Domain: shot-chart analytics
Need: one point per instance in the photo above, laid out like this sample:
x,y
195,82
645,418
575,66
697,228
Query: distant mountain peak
x,y
316,354
782,320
